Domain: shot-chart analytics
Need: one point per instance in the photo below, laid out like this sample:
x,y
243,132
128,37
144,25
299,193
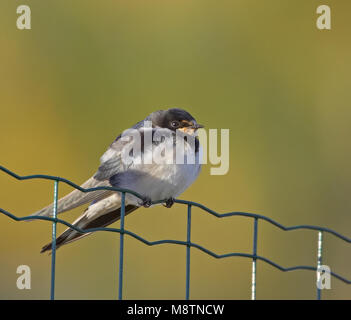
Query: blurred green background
x,y
89,69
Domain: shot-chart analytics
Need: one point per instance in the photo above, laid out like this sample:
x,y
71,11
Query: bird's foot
x,y
169,203
146,202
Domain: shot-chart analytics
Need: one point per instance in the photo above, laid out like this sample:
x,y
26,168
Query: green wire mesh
x,y
188,243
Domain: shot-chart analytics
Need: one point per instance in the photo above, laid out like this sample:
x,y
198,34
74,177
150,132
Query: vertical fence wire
x,y
188,234
121,247
53,251
254,261
319,264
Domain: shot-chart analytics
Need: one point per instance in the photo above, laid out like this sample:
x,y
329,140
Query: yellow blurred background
x,y
87,70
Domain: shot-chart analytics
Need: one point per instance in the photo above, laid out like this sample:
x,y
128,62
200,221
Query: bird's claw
x,y
146,202
169,203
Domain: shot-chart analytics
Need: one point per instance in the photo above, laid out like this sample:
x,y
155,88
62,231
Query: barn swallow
x,y
156,180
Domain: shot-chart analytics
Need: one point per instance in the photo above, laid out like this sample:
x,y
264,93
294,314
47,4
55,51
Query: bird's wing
x,y
77,198
110,164
114,160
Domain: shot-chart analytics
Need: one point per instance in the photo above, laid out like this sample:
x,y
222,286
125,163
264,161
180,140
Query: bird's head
x,y
175,119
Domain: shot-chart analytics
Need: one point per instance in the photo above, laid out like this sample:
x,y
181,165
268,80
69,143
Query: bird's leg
x,y
169,203
146,202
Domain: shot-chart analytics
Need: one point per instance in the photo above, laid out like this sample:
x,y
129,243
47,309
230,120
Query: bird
x,y
162,178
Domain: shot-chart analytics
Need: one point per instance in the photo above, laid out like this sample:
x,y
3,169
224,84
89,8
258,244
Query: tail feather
x,y
83,222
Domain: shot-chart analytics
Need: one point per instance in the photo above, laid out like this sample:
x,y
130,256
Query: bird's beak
x,y
197,126
191,130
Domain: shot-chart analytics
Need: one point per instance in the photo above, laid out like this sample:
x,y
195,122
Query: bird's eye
x,y
175,124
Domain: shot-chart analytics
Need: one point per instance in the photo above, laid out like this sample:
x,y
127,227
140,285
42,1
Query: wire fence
x,y
188,243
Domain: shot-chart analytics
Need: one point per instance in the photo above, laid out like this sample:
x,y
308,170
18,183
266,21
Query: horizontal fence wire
x,y
188,243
